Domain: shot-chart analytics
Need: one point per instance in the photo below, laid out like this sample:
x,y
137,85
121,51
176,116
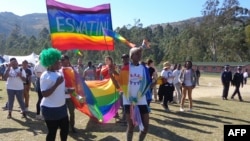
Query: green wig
x,y
49,56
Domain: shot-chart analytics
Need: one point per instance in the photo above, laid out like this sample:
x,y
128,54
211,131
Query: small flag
x,y
117,36
78,52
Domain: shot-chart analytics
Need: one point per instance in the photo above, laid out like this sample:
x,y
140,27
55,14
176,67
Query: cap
x,y
125,56
166,65
99,65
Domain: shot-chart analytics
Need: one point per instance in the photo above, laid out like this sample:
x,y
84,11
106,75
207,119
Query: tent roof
x,y
32,58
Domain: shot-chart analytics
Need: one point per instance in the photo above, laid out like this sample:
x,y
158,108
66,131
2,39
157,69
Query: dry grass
x,y
206,121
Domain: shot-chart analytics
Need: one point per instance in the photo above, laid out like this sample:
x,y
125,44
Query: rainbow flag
x,y
74,27
101,98
117,36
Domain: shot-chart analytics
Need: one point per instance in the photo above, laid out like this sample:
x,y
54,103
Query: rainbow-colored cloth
x,y
101,97
144,89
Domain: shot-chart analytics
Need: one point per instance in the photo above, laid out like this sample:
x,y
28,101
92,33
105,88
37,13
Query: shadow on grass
x,y
109,138
164,133
93,126
82,135
36,127
181,123
8,130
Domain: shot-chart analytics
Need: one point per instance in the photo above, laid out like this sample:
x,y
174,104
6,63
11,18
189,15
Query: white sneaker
x,y
182,110
190,110
39,117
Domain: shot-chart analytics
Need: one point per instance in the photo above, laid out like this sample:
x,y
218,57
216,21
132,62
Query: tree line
x,y
221,35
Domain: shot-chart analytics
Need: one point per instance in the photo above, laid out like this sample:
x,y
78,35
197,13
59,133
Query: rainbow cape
x,y
101,98
73,27
144,90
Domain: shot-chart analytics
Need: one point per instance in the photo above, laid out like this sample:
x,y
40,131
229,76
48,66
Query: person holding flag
x,y
134,93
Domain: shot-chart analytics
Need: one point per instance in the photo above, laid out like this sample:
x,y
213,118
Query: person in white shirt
x,y
53,104
245,76
177,84
38,70
134,97
15,77
188,81
166,90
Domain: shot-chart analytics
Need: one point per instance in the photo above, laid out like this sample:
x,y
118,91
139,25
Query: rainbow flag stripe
x,y
74,27
102,99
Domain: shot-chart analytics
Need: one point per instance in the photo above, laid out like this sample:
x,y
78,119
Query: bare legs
x,y
130,128
186,90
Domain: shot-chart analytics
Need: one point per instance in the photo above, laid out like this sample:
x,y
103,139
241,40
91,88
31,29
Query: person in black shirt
x,y
226,78
198,74
151,73
237,81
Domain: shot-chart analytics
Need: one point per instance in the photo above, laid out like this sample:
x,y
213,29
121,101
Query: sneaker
x,y
190,110
24,115
182,110
9,116
73,130
26,109
167,110
39,117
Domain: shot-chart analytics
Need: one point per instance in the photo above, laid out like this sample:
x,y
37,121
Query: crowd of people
x,y
138,83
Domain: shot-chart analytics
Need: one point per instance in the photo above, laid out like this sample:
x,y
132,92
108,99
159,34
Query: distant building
x,y
218,67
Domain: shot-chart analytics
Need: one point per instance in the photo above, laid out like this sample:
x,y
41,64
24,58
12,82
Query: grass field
x,y
206,122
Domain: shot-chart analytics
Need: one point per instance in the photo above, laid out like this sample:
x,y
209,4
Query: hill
x,y
32,24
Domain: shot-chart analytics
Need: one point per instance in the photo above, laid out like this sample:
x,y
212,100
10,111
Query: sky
x,y
123,12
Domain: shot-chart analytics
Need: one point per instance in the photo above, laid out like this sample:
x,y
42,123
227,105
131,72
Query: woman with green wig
x,y
53,104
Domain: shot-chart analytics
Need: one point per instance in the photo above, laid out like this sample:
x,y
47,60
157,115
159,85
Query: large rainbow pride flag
x,y
74,27
102,101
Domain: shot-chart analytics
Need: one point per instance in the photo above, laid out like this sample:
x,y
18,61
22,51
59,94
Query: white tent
x,y
32,58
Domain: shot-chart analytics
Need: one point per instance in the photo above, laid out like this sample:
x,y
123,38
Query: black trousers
x,y
237,91
225,89
53,125
40,96
165,93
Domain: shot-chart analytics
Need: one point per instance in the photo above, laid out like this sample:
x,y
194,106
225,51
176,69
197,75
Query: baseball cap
x,y
125,56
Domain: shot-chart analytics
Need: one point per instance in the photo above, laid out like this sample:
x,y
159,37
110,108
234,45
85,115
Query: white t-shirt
x,y
187,78
57,98
245,74
135,78
176,74
13,81
168,74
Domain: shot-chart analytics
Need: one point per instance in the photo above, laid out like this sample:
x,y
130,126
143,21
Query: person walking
x,y
134,90
188,81
177,84
245,76
226,79
198,74
237,81
166,90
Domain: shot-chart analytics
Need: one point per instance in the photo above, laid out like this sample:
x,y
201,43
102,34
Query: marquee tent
x,y
32,58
